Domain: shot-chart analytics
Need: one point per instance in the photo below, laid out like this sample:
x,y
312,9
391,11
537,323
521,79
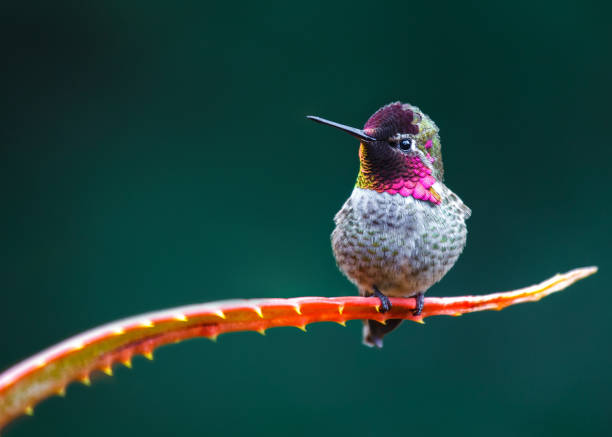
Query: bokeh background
x,y
155,154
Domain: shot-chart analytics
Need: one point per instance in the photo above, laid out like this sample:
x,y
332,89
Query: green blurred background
x,y
157,154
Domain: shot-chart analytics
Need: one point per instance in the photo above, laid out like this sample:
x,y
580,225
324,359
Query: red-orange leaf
x,y
48,372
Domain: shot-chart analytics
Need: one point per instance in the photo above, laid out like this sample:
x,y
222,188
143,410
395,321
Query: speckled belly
x,y
400,244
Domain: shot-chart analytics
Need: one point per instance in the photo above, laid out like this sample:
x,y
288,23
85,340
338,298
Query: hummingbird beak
x,y
358,133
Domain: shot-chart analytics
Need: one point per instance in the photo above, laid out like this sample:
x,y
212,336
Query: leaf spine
x,y
78,346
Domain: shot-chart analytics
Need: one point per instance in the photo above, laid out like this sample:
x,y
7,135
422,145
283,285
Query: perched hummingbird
x,y
401,229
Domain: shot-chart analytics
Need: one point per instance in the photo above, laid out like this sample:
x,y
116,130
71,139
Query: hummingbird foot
x,y
420,300
385,303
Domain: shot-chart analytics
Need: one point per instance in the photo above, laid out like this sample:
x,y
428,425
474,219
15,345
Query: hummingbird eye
x,y
405,144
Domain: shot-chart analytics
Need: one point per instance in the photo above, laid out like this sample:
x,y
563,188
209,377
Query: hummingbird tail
x,y
373,331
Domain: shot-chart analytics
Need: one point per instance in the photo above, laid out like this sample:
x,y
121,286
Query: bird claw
x,y
385,303
419,302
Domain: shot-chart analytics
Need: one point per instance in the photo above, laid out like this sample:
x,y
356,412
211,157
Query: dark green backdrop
x,y
154,155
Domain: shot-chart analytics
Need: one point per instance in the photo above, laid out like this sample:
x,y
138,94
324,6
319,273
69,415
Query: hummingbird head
x,y
399,152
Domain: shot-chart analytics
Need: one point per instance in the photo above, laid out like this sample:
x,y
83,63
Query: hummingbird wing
x,y
451,197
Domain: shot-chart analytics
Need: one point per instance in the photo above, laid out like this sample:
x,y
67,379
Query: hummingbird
x,y
401,230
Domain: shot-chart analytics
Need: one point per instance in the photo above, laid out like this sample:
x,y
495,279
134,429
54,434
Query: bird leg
x,y
385,303
419,301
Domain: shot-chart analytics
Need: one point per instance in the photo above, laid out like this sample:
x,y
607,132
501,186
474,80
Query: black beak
x,y
358,133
